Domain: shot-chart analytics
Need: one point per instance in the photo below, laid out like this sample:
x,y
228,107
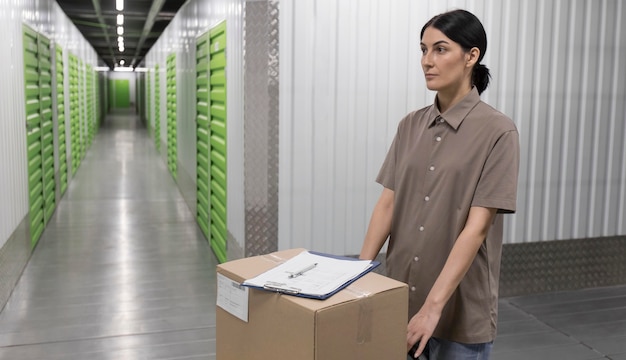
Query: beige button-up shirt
x,y
440,165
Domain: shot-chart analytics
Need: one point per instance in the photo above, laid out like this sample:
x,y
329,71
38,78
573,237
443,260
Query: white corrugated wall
x,y
193,19
350,70
13,178
47,18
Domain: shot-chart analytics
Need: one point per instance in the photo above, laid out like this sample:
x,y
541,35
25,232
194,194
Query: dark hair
x,y
465,29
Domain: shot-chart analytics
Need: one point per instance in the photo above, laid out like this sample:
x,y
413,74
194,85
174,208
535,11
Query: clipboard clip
x,y
281,288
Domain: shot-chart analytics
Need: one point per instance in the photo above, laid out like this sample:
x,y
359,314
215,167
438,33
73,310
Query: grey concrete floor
x,y
574,325
123,272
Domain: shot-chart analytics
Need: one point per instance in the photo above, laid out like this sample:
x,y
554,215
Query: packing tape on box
x,y
274,258
365,321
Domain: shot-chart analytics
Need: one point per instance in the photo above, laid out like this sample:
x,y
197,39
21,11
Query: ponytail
x,y
480,77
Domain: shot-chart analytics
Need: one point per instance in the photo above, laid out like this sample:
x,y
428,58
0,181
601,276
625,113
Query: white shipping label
x,y
232,297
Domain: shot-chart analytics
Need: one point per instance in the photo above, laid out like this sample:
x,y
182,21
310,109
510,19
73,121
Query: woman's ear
x,y
472,57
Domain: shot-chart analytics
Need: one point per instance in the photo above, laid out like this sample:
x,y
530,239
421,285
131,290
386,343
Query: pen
x,y
302,271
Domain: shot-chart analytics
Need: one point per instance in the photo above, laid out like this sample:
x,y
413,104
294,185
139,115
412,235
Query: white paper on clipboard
x,y
323,275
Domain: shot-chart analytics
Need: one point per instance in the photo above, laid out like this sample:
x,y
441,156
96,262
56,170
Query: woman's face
x,y
446,65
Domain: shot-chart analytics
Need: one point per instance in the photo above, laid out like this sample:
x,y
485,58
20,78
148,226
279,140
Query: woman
x,y
450,174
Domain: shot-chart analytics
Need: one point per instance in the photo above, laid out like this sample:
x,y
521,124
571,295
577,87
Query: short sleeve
x,y
387,174
497,186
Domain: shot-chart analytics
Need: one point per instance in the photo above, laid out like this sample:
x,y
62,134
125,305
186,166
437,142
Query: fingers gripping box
x,y
366,320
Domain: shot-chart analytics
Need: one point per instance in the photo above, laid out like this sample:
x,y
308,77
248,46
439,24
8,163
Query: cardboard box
x,y
367,320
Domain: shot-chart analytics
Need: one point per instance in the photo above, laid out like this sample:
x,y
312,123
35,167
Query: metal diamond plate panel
x,y
539,267
261,126
562,265
273,123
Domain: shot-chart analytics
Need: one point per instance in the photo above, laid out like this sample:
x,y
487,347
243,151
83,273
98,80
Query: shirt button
x,y
441,120
427,198
431,168
413,288
438,138
416,259
421,228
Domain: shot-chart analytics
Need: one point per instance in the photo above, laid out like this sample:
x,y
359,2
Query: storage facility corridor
x,y
145,143
122,271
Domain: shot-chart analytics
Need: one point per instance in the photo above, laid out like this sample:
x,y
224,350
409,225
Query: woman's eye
x,y
423,51
441,49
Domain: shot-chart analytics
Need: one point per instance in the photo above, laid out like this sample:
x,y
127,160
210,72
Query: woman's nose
x,y
426,57
426,60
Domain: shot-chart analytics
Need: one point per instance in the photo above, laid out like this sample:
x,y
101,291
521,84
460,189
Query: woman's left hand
x,y
421,328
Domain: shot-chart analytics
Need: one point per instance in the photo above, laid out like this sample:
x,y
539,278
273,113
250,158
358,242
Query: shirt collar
x,y
455,115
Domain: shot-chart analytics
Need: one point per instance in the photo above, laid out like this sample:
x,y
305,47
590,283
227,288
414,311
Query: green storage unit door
x,y
98,101
149,103
60,96
34,133
47,128
217,142
91,115
82,104
94,102
74,114
119,93
40,132
157,108
202,132
172,136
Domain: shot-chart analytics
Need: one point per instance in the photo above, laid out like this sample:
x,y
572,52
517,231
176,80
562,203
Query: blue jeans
x,y
440,349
